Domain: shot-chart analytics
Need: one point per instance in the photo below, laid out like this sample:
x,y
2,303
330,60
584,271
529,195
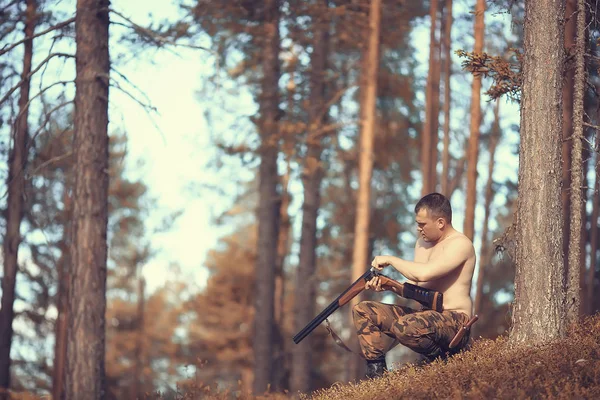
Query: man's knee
x,y
364,309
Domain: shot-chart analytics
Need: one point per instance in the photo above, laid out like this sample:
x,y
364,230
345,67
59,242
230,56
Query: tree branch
x,y
50,56
52,28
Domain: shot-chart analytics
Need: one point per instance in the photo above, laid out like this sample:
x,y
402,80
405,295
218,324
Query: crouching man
x,y
444,260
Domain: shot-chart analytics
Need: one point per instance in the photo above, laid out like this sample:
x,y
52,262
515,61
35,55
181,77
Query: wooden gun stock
x,y
426,297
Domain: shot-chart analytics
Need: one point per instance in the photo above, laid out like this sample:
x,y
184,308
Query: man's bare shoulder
x,y
460,243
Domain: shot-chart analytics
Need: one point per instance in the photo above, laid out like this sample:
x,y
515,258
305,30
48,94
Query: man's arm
x,y
452,257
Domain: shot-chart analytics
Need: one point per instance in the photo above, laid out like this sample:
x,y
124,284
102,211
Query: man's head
x,y
433,216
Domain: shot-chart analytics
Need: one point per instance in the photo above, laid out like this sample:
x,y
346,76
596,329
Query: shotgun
x,y
427,297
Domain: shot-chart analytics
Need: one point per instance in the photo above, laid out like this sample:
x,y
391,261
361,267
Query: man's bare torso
x,y
456,286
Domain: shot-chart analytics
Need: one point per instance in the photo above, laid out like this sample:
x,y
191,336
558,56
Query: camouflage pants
x,y
382,326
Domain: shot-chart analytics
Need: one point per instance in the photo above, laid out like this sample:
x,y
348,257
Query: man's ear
x,y
441,222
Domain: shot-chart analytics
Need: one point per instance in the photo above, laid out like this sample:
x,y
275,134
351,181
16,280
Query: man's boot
x,y
376,368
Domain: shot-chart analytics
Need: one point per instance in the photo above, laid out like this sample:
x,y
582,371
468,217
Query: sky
x,y
173,144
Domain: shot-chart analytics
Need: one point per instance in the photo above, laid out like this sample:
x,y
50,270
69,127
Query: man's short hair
x,y
437,205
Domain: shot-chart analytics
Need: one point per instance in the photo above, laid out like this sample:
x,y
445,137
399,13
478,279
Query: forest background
x,y
201,94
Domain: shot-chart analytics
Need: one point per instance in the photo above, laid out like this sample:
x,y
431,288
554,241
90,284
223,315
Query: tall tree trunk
x,y
538,310
87,298
427,141
365,160
567,125
137,392
62,301
594,230
14,207
473,152
268,209
489,197
312,177
574,265
435,104
447,97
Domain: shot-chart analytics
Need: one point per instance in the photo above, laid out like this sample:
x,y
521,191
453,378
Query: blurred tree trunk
x,y
485,255
14,207
427,139
594,231
574,254
62,301
538,310
268,208
312,176
365,162
473,152
85,378
567,124
447,66
137,392
435,104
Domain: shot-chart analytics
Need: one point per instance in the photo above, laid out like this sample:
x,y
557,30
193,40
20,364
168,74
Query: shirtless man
x,y
444,261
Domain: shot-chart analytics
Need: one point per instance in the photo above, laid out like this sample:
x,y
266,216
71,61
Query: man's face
x,y
428,228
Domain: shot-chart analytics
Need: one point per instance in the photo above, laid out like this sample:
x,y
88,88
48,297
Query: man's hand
x,y
380,262
374,284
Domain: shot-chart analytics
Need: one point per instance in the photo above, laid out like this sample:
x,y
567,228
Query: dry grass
x,y
565,369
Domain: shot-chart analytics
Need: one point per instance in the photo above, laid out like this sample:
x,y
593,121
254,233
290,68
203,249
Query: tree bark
x,y
489,197
567,125
447,97
268,209
365,160
313,172
473,151
14,207
538,309
62,301
87,298
427,141
574,264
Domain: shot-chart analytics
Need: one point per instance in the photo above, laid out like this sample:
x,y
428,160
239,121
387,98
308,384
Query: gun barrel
x,y
316,321
342,299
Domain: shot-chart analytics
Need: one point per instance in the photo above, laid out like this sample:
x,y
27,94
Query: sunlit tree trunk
x,y
473,151
268,209
538,310
484,257
14,206
312,176
365,161
427,140
445,181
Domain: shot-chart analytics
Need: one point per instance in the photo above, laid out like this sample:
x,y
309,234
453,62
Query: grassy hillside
x,y
565,369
